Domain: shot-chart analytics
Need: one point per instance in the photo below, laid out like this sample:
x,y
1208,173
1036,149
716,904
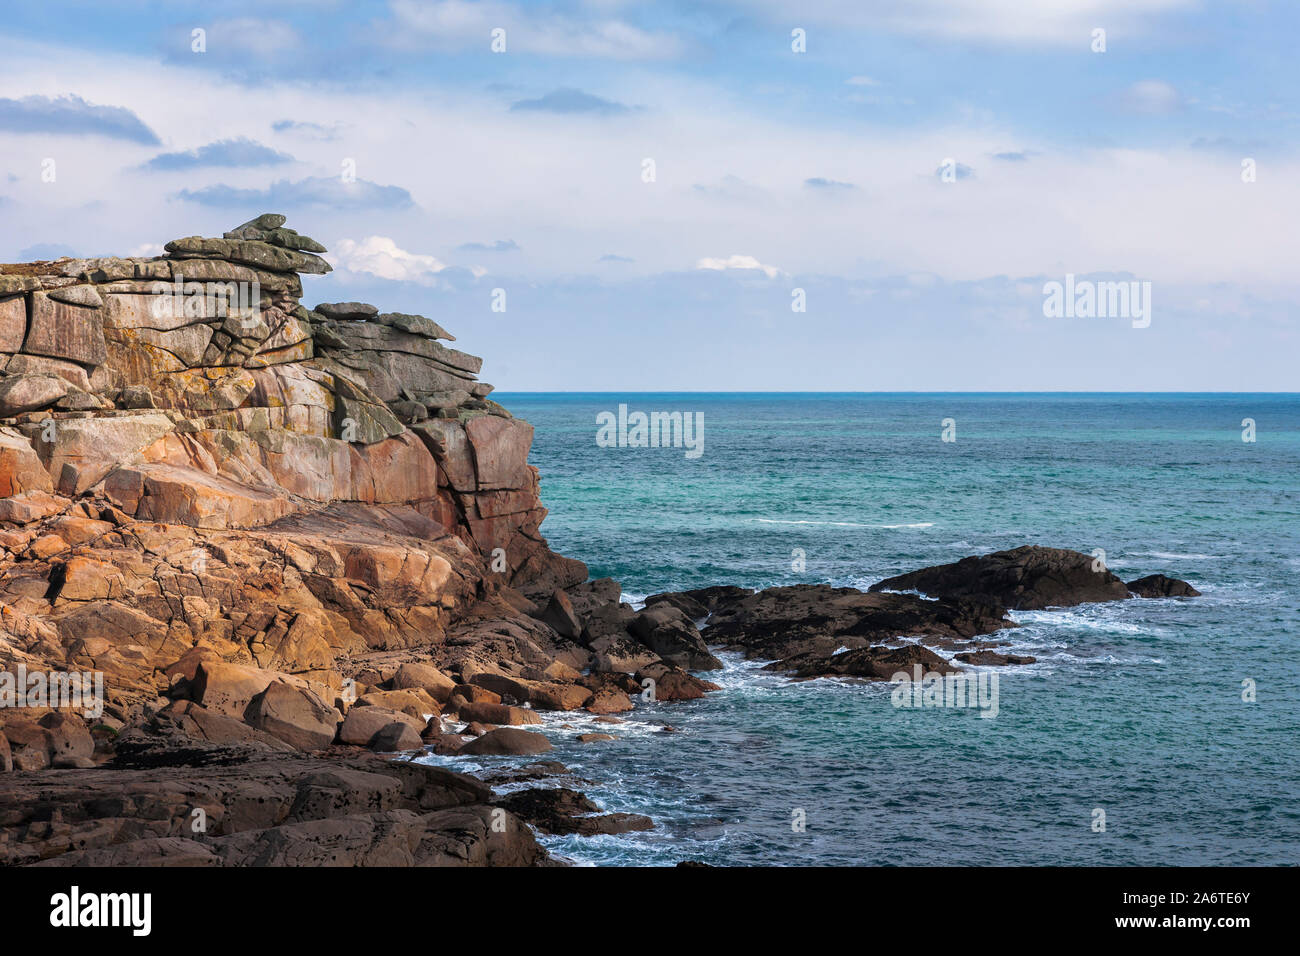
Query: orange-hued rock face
x,y
194,463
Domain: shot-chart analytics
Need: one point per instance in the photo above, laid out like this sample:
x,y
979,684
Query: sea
x,y
1148,732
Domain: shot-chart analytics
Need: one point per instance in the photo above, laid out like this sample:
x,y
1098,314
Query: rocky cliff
x,y
273,531
287,540
190,457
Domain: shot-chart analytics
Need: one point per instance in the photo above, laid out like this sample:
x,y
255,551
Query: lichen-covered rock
x,y
252,252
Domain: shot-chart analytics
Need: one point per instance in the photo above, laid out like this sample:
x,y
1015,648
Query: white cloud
x,y
381,256
1126,209
738,262
1151,96
460,24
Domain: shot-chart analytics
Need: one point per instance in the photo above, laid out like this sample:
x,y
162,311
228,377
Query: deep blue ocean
x,y
1134,708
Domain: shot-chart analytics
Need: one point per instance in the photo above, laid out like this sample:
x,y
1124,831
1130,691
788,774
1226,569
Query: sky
x,y
656,187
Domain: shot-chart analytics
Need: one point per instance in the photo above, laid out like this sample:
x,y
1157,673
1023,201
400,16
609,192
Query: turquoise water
x,y
1134,708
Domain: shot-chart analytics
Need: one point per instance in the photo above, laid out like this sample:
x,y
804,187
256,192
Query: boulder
x,y
83,295
624,655
673,683
251,252
544,695
345,311
590,595
199,723
29,393
70,372
475,694
416,325
496,714
409,412
1160,586
415,702
506,741
609,700
425,677
606,621
229,688
294,715
396,737
62,737
701,602
267,220
26,507
560,615
362,724
674,637
80,452
1024,578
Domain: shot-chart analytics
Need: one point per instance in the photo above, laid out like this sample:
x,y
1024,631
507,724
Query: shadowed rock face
x,y
257,809
560,810
818,619
1158,586
815,630
1026,578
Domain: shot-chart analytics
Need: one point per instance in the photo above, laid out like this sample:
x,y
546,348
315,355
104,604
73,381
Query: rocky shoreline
x,y
296,542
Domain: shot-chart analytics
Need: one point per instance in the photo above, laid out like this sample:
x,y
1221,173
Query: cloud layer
x,y
70,115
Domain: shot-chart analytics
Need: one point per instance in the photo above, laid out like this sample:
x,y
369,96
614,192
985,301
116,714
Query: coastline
x,y
319,541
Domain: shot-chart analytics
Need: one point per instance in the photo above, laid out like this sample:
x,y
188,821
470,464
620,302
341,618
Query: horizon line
x,y
691,391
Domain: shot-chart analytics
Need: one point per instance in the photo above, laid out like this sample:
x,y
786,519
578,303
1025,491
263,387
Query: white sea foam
x,y
842,524
1082,620
1175,556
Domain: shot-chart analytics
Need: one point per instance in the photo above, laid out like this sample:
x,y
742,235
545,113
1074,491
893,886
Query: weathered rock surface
x,y
817,619
223,806
1158,586
560,810
507,741
1028,578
